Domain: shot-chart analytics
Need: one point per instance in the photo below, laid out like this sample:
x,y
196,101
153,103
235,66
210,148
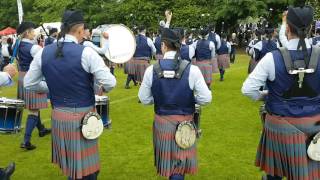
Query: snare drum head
x,y
122,43
6,101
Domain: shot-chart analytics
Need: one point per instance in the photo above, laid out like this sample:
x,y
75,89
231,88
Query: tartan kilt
x,y
205,67
167,153
214,63
224,61
159,56
76,156
140,68
252,64
129,67
283,147
33,100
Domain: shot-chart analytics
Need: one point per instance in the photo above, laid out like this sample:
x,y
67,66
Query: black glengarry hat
x,y
300,18
25,26
53,30
71,18
170,35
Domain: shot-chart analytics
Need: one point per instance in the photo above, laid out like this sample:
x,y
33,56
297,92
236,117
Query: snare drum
x,y
11,111
102,106
196,119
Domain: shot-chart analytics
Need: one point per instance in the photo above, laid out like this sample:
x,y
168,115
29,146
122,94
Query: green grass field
x,y
230,124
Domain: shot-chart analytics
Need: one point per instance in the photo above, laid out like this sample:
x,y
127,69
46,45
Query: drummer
x,y
88,43
69,70
169,111
6,76
33,101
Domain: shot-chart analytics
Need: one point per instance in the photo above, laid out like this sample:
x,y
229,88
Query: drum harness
x,y
299,68
186,132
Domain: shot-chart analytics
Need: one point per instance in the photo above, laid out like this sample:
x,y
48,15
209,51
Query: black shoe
x,y
127,87
44,132
27,146
8,171
135,84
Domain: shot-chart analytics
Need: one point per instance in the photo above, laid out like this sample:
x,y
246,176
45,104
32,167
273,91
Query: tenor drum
x,y
11,111
102,107
122,43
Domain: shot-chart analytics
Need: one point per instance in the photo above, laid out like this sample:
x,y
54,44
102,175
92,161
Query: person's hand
x,y
168,14
284,17
10,69
105,35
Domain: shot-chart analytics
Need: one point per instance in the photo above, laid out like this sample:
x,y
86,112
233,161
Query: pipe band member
x,y
34,101
174,102
292,102
70,69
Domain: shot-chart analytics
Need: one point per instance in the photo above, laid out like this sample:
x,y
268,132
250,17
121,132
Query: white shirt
x,y
282,35
265,70
192,51
211,47
5,50
90,61
5,79
35,48
259,47
196,83
99,50
229,47
218,39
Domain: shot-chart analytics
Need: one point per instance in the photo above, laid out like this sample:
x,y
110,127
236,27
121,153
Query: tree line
x,y
186,13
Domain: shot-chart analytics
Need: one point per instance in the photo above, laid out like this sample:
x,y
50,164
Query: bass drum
x,y
122,43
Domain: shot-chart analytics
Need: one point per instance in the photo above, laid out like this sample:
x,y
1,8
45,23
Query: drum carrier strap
x,y
299,68
182,65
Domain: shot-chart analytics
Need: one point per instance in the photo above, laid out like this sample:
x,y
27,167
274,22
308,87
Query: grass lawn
x,y
231,131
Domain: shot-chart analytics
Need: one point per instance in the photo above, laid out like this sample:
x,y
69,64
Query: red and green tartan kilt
x,y
140,68
283,147
224,61
167,153
129,67
214,63
76,156
205,67
33,100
